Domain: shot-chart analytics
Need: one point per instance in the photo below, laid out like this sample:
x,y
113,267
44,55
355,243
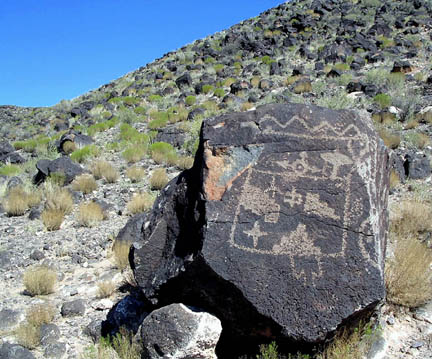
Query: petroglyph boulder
x,y
279,229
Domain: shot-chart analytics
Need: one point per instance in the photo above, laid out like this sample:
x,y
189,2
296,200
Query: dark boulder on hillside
x,y
74,139
279,229
8,154
62,165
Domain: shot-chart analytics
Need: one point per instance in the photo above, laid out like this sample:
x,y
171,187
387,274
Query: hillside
x,y
139,131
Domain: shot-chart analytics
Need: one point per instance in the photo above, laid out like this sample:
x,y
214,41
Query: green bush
x,y
84,153
155,98
190,100
9,170
219,92
383,100
158,123
207,88
161,147
131,134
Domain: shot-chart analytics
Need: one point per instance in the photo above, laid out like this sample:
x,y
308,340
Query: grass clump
x,y
90,214
140,202
10,170
158,179
383,100
418,140
39,280
134,154
84,183
84,153
52,219
120,250
59,199
391,139
19,199
28,333
408,274
106,289
135,173
185,162
105,170
190,100
350,344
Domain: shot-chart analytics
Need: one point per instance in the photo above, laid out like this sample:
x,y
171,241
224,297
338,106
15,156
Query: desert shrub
x,y
84,153
207,89
407,100
411,124
131,134
90,214
350,344
39,280
418,140
190,100
140,202
84,183
158,179
154,98
410,218
134,153
135,173
105,170
59,199
269,351
68,147
102,126
391,139
246,106
341,66
383,100
161,147
18,200
219,92
40,314
185,162
9,170
52,219
125,346
394,179
28,335
157,123
121,251
408,274
336,101
106,289
57,178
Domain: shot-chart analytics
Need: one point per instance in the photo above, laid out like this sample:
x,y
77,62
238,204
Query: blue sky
x,y
58,49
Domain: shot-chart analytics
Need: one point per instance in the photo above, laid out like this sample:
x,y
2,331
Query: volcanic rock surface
x,y
279,229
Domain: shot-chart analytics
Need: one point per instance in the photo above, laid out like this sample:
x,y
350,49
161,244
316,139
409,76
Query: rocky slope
x,y
363,55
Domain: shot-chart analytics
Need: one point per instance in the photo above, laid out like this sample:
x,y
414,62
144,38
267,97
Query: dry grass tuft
x,y
39,280
90,214
69,147
391,140
28,335
159,179
59,199
411,218
84,183
394,179
185,162
350,344
135,173
408,273
106,289
18,200
40,314
52,219
105,170
121,251
140,202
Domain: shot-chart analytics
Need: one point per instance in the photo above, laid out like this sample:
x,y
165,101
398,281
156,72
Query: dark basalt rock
x,y
15,351
8,154
77,138
184,80
279,229
62,165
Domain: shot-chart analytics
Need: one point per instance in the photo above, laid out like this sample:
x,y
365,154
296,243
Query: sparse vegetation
x,y
135,173
19,199
52,219
140,202
90,214
158,179
84,153
84,183
106,289
39,280
103,169
121,251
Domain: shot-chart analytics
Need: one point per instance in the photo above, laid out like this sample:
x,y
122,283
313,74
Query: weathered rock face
x,y
178,332
279,229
